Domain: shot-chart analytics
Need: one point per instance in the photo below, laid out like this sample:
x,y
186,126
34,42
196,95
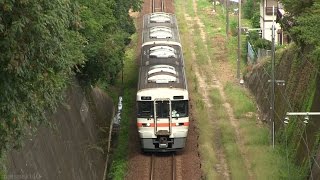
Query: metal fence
x,y
263,53
251,54
253,57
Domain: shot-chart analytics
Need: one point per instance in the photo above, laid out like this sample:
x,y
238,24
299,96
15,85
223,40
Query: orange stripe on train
x,y
162,124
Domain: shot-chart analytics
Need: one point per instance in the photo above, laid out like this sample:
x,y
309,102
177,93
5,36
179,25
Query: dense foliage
x,y
251,11
107,28
37,52
302,22
42,42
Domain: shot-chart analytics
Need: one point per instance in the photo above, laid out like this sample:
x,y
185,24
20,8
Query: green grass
x,y
206,143
211,27
233,155
201,53
119,164
215,25
239,100
2,175
204,117
189,7
3,163
265,162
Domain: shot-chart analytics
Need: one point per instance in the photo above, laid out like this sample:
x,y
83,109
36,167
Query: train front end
x,y
162,119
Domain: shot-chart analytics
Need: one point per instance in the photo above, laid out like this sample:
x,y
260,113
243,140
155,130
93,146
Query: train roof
x,y
160,33
161,54
162,66
159,19
162,76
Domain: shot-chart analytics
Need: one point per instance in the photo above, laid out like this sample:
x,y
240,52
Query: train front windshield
x,y
145,109
178,109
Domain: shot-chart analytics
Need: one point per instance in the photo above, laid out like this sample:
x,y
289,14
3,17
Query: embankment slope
x,y
71,147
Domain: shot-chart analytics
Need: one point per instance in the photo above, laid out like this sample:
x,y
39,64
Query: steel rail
x,y
153,6
173,167
162,5
152,166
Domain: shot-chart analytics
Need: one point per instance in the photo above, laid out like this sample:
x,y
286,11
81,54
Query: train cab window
x,y
145,109
179,108
162,109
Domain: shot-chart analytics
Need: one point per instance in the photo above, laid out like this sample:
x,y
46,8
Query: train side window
x,y
180,108
145,109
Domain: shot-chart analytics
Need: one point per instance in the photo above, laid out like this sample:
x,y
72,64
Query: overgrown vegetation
x,y
298,65
239,100
264,161
251,11
38,50
42,45
257,42
301,85
120,157
107,27
302,23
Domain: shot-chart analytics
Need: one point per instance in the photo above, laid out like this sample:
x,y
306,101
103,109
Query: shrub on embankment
x,y
298,65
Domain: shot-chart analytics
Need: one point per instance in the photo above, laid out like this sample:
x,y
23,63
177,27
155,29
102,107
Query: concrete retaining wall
x,y
71,148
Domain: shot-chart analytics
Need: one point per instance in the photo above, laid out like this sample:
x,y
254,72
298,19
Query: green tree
x,y
251,10
38,51
302,23
107,27
42,42
295,7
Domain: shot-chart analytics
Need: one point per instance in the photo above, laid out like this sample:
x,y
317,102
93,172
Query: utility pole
x,y
239,39
272,80
227,17
122,86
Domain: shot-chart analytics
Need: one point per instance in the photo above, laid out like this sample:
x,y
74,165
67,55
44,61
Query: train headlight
x,y
179,124
146,124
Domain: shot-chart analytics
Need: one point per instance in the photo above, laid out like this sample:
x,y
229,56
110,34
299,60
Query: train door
x,y
163,120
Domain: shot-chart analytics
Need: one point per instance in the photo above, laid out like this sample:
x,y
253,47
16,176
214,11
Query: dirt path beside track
x,y
208,80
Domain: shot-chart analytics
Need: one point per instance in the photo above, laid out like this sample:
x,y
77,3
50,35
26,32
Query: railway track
x,y
163,167
158,6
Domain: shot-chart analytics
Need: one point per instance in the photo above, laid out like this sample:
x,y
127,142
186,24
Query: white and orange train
x,y
162,96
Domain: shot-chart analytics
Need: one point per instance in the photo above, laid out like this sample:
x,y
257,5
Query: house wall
x,y
266,20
